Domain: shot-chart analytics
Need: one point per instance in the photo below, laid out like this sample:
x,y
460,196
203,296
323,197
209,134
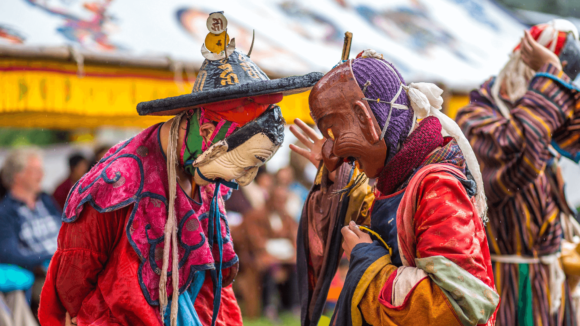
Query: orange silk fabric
x,y
425,305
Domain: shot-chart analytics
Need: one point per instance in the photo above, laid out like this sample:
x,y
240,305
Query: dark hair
x,y
74,160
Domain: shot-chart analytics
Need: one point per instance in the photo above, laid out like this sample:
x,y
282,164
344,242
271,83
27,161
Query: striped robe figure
x,y
525,193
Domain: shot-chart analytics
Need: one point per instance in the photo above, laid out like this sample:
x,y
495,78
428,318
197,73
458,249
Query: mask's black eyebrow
x,y
270,123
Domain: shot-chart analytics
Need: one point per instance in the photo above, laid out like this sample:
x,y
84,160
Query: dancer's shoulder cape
x,y
133,173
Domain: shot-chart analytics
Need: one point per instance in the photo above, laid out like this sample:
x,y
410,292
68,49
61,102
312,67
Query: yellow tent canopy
x,y
44,89
45,93
68,65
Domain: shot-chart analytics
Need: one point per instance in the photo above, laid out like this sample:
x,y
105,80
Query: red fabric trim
x,y
241,114
245,101
379,195
241,110
387,291
387,304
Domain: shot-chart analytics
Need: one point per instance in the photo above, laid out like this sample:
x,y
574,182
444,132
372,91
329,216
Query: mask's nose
x,y
331,161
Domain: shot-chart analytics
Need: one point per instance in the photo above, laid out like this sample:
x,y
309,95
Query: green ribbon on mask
x,y
194,141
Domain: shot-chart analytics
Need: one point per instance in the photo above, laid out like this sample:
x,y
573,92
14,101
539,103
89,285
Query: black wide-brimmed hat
x,y
228,79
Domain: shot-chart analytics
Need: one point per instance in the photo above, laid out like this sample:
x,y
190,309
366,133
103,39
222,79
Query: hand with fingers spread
x,y
351,236
311,140
535,55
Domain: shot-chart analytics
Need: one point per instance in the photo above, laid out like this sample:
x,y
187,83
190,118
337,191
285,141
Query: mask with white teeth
x,y
239,155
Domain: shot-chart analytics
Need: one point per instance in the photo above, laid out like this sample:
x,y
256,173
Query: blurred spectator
x,y
100,152
285,177
297,193
78,166
336,286
29,219
265,181
267,243
247,198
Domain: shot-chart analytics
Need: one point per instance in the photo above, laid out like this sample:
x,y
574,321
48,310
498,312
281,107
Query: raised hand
x,y
351,236
310,139
535,55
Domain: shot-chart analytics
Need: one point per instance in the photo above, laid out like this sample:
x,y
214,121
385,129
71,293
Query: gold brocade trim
x,y
361,198
318,179
360,202
362,286
364,228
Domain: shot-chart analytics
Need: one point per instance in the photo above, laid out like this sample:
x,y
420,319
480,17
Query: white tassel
x,y
170,233
369,53
453,129
426,101
419,103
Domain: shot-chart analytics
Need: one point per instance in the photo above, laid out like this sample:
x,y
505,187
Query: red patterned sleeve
x,y
446,224
83,249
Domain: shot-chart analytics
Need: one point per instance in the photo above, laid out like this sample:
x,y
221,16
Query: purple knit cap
x,y
384,85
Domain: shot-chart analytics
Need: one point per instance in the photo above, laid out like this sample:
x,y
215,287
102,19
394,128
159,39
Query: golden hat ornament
x,y
226,74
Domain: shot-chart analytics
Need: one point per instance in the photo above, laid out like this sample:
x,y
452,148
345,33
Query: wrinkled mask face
x,y
571,55
239,156
346,121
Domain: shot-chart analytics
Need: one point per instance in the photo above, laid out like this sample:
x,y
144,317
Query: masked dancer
x,y
145,229
415,239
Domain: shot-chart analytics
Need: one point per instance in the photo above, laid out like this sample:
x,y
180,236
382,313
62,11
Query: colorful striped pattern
x,y
513,154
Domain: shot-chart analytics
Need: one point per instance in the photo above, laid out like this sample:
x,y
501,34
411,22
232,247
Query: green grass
x,y
12,137
286,319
